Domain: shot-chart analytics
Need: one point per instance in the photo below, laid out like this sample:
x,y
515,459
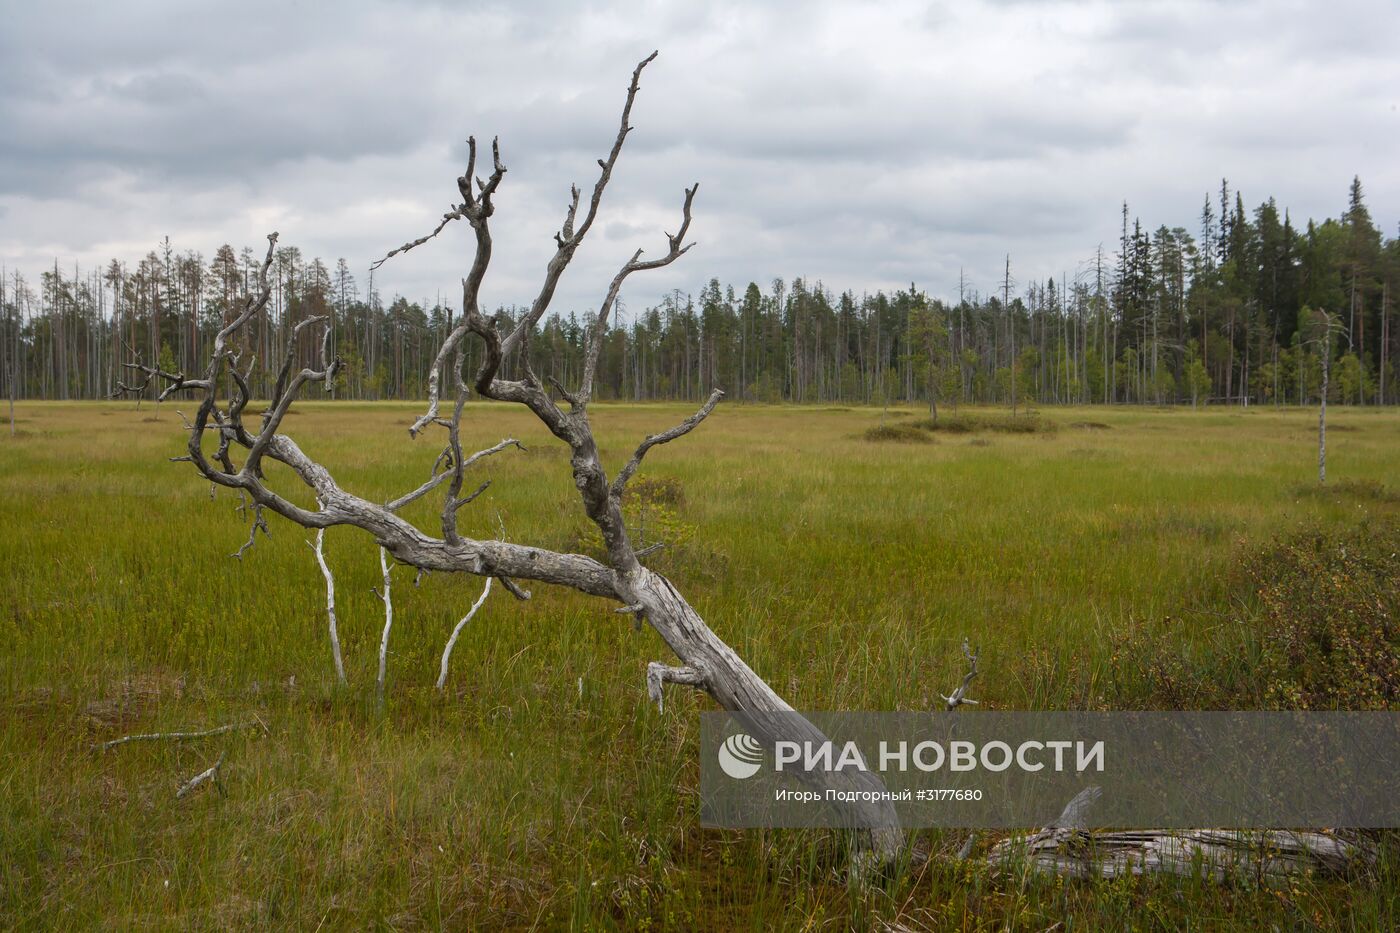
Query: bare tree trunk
x,y
1322,411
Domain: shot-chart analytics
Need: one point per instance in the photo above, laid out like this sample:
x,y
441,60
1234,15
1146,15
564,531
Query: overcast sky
x,y
865,145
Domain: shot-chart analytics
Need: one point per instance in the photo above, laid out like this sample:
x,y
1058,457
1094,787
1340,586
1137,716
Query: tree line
x,y
1232,313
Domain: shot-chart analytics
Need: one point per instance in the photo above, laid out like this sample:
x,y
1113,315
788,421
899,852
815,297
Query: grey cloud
x,y
862,145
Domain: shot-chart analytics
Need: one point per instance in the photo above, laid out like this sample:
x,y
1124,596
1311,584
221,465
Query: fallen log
x,y
1066,848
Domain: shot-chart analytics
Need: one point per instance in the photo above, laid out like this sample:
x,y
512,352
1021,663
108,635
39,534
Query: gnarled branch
x,y
665,437
635,264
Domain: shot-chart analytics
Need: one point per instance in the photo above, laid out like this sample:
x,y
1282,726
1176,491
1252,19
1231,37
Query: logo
x,y
740,756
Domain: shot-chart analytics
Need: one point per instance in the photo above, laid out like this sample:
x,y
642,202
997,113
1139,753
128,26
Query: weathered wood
x,y
707,662
456,631
175,736
1213,853
203,777
1065,847
387,596
330,604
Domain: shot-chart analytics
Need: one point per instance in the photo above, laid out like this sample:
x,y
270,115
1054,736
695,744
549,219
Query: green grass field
x,y
543,790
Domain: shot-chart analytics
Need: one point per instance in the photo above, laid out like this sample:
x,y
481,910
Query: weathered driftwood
x,y
203,777
178,736
1217,854
1066,848
706,661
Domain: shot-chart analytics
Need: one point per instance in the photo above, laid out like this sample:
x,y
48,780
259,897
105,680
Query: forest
x,y
1229,314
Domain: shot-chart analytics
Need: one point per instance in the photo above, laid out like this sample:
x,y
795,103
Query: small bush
x,y
1330,619
899,433
1090,425
974,424
655,490
1317,626
1363,490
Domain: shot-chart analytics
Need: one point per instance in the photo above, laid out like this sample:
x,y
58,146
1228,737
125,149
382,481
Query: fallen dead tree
x,y
706,662
1066,848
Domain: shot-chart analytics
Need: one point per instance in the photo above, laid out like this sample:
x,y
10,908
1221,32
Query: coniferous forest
x,y
1240,310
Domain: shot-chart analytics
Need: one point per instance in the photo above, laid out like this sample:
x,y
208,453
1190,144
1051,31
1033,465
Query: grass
x,y
543,791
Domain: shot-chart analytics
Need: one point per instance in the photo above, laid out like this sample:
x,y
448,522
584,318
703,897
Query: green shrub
x,y
900,433
1329,619
963,423
1362,490
1316,625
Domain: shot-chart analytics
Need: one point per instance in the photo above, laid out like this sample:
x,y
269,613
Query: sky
x,y
864,145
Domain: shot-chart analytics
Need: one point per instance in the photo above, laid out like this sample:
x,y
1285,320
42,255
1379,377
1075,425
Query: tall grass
x,y
542,790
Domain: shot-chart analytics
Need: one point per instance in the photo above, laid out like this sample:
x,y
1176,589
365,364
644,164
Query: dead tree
x,y
706,662
1324,341
1066,847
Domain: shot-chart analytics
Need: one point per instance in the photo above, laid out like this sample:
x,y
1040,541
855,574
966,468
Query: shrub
x,y
1364,490
900,433
1329,620
655,490
1317,626
972,424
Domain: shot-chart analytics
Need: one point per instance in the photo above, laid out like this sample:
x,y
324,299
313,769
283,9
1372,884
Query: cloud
x,y
863,145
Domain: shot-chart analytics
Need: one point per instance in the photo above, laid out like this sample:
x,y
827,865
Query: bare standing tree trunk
x,y
1326,341
1322,418
706,662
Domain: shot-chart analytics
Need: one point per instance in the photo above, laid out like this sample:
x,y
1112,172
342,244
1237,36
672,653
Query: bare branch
x,y
281,388
454,214
387,597
959,696
177,736
284,394
447,652
471,496
665,437
252,304
258,523
600,323
477,208
514,589
571,236
177,381
420,492
202,777
564,393
330,603
494,449
658,674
